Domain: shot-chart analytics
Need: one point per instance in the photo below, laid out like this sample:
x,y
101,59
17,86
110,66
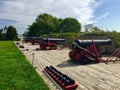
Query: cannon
x,y
49,43
87,51
27,39
32,40
44,43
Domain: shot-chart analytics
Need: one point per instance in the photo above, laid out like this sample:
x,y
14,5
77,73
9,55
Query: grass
x,y
15,70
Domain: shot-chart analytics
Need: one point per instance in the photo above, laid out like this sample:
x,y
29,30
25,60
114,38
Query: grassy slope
x,y
15,70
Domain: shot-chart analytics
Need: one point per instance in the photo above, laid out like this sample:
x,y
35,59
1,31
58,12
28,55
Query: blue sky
x,y
21,13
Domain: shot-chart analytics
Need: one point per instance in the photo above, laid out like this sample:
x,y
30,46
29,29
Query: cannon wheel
x,y
85,60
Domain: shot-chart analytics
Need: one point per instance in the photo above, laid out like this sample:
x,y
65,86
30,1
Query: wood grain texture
x,y
99,76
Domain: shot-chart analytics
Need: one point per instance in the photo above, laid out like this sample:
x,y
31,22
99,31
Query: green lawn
x,y
15,70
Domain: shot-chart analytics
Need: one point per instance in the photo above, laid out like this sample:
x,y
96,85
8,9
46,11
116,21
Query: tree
x,y
96,29
92,28
5,29
69,25
47,24
44,24
11,33
34,29
1,33
88,27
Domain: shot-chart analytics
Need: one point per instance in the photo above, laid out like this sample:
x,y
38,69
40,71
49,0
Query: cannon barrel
x,y
88,42
45,39
54,39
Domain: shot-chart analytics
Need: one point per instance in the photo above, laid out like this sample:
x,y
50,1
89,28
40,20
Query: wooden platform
x,y
89,77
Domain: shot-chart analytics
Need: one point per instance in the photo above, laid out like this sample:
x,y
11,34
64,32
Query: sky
x,y
21,13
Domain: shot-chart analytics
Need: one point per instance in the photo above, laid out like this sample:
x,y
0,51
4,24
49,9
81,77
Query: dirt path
x,y
89,77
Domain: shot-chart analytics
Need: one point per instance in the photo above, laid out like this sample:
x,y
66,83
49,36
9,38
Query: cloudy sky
x,y
21,13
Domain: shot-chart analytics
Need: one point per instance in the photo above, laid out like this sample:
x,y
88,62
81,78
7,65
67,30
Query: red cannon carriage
x,y
87,51
27,39
44,43
49,43
32,40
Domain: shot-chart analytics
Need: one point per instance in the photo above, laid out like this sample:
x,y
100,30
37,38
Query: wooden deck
x,y
89,77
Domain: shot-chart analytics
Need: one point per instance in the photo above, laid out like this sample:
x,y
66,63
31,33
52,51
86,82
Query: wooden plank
x,y
89,77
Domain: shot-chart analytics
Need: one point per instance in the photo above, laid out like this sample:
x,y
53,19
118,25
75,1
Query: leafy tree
x,y
47,24
69,25
57,25
44,24
11,33
3,33
34,29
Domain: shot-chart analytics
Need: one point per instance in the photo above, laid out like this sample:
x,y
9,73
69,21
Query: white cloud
x,y
25,11
101,17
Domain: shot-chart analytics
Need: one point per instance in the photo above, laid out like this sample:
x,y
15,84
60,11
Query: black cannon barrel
x,y
45,39
54,39
87,42
34,38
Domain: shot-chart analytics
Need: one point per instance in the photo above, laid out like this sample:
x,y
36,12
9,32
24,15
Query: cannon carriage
x,y
45,43
87,51
49,43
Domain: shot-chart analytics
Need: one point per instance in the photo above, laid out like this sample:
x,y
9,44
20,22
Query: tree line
x,y
8,33
47,24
